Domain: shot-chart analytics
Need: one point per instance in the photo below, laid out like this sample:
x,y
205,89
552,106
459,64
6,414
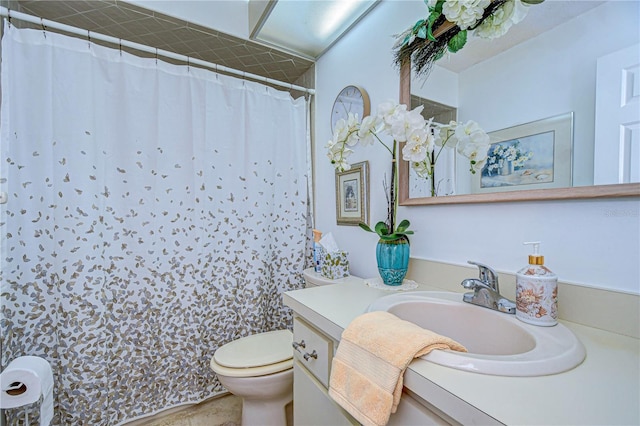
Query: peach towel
x,y
367,371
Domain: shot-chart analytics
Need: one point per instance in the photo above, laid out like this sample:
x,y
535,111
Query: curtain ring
x,y
9,17
156,56
44,29
89,38
188,64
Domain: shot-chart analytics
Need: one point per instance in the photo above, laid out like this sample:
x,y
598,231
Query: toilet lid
x,y
257,350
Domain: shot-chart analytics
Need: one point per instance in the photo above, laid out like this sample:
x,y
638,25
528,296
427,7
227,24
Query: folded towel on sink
x,y
368,368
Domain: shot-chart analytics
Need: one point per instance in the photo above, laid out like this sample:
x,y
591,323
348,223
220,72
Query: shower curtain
x,y
155,213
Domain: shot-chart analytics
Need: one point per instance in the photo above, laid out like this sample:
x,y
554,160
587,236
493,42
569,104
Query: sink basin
x,y
497,343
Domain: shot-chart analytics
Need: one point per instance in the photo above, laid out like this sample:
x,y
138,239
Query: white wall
x,y
590,242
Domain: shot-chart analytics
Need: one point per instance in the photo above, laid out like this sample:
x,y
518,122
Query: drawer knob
x,y
313,355
297,345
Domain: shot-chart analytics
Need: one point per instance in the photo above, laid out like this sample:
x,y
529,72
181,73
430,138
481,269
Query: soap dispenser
x,y
537,291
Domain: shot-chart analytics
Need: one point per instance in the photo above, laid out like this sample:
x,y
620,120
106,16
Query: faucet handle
x,y
487,275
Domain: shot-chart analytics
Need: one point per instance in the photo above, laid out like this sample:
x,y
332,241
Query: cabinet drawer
x,y
313,350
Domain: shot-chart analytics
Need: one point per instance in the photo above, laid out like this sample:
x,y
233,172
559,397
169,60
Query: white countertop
x,y
603,390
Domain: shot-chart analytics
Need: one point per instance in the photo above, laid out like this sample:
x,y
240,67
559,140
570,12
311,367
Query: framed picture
x,y
352,195
536,155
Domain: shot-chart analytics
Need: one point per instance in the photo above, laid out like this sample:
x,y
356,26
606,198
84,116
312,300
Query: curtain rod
x,y
46,23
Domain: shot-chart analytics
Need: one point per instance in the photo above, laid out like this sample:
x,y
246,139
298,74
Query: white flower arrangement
x,y
392,119
422,137
468,139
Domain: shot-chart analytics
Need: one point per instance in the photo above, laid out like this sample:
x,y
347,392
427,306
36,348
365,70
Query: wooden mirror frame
x,y
575,192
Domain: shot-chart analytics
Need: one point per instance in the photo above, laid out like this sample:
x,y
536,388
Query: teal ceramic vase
x,y
393,260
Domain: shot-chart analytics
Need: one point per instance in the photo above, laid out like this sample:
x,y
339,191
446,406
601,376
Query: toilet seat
x,y
256,355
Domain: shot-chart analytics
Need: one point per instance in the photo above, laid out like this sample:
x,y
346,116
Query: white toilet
x,y
314,279
259,369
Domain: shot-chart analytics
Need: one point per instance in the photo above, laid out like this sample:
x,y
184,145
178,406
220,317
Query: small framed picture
x,y
535,155
352,195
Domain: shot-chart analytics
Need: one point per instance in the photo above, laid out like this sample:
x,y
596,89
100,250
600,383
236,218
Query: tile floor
x,y
220,411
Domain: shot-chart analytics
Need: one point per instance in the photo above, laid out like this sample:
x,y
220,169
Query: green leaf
x,y
365,227
532,1
420,23
381,229
438,6
403,226
395,236
430,21
458,41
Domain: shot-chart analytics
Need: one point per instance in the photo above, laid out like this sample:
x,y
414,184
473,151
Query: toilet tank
x,y
314,279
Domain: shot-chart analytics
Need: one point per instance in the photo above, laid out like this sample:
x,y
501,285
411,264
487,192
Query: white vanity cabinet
x,y
313,352
605,383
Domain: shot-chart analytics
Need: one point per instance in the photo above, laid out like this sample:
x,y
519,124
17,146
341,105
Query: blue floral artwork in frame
x,y
522,161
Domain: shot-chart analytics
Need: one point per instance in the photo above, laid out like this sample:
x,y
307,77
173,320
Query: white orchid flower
x,y
340,131
352,139
444,133
390,113
339,158
352,121
368,129
471,132
406,122
418,146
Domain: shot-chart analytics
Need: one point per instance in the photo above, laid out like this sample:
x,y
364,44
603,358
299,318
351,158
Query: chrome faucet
x,y
486,292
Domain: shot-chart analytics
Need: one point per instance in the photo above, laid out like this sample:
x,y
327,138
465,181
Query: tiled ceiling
x,y
133,23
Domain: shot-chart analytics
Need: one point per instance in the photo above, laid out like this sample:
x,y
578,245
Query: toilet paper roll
x,y
23,382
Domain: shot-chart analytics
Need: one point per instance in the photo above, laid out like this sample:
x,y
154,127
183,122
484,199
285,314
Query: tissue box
x,y
335,265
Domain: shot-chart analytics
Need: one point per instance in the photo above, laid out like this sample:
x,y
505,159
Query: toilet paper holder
x,y
16,388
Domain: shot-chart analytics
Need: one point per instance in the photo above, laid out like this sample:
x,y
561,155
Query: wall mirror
x,y
570,66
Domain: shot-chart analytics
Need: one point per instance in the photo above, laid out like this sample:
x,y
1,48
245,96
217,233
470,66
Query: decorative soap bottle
x,y
537,291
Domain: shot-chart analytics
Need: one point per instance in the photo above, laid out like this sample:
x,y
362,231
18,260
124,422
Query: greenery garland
x,y
422,48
